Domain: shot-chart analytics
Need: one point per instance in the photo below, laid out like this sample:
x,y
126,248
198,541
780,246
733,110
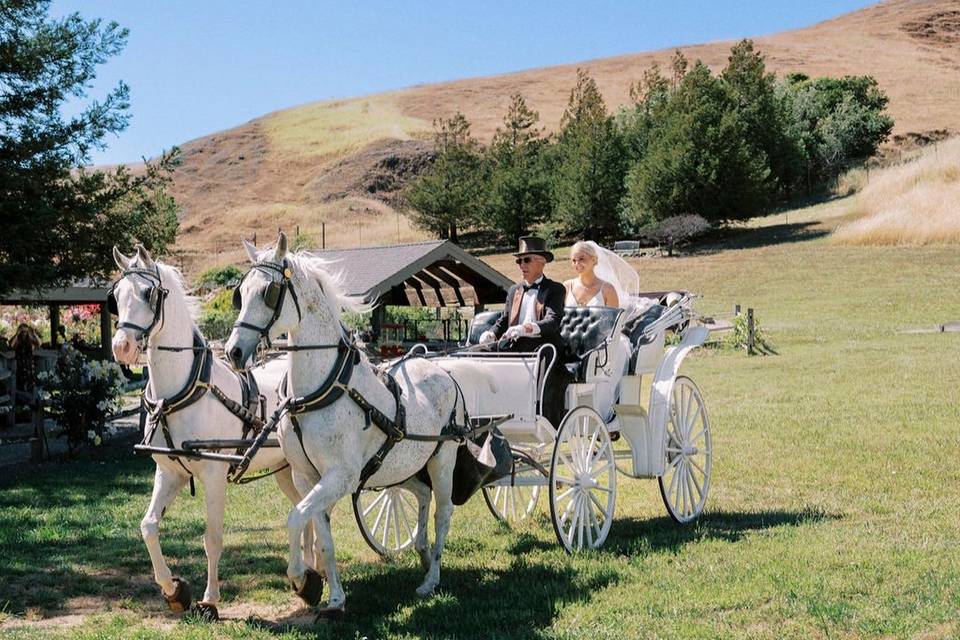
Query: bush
x,y
226,276
677,231
218,315
81,394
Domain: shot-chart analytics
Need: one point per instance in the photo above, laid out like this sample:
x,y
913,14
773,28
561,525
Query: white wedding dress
x,y
626,282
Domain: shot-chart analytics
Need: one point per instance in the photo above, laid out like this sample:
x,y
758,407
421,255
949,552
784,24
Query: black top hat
x,y
533,245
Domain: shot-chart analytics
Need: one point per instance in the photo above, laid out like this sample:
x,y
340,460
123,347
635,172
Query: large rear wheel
x,y
686,478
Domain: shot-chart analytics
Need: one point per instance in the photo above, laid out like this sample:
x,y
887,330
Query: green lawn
x,y
834,508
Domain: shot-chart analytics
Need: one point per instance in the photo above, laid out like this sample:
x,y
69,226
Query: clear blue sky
x,y
196,67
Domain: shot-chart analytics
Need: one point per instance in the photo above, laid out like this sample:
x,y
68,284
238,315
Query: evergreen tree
x,y
698,160
449,194
518,191
589,165
60,222
764,118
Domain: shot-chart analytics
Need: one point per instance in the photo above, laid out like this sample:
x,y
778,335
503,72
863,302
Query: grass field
x,y
834,509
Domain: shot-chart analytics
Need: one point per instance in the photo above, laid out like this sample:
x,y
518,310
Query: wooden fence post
x,y
750,342
736,310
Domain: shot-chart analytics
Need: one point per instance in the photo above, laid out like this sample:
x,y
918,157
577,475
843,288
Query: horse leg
x,y
214,479
166,486
317,505
421,543
284,480
440,468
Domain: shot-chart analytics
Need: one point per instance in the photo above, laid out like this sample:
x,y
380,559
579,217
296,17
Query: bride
x,y
604,279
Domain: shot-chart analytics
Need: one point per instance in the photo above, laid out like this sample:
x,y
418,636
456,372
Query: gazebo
x,y
80,292
422,274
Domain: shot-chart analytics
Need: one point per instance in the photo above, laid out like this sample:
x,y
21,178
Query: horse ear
x,y
251,250
281,251
144,256
122,261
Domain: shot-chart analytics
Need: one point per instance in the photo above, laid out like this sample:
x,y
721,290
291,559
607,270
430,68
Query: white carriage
x,y
643,402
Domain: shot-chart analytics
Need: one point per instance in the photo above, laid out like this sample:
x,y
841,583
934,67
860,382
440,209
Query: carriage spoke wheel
x,y
686,478
583,481
511,504
387,518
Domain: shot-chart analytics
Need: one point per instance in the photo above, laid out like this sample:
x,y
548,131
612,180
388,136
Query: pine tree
x,y
448,196
518,191
60,222
589,165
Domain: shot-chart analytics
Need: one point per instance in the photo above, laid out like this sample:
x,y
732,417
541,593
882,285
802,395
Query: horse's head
x,y
137,301
267,301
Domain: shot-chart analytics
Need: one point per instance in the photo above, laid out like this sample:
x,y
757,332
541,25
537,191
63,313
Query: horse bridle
x,y
273,296
156,295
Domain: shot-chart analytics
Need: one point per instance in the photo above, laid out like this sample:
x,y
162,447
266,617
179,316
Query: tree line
x,y
724,147
61,218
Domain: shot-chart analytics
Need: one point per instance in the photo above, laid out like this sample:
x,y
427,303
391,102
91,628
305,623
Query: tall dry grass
x,y
915,203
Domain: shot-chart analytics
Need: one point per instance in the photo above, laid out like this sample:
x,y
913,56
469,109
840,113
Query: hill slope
x,y
339,161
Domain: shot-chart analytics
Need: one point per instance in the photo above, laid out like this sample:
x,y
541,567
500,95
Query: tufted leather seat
x,y
583,329
481,322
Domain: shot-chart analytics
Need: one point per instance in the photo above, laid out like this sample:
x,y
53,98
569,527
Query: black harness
x,y
156,295
335,386
273,296
252,408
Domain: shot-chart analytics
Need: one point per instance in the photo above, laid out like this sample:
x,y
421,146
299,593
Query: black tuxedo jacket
x,y
549,310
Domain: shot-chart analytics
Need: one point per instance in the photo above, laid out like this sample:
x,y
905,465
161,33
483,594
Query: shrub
x,y
218,315
81,394
677,231
226,276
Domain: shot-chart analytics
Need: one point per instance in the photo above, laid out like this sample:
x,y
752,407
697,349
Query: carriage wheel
x,y
686,479
583,481
387,518
512,503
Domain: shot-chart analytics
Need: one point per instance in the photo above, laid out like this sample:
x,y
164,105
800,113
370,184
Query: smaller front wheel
x,y
583,481
512,503
387,518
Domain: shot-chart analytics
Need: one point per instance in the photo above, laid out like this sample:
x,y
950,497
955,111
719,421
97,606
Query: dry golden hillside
x,y
338,161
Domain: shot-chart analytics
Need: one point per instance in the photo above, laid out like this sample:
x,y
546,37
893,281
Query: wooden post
x,y
106,327
323,235
750,342
54,324
736,310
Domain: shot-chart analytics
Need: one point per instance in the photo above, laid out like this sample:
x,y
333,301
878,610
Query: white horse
x,y
295,295
153,309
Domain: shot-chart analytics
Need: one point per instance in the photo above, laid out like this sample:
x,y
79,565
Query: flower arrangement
x,y
81,394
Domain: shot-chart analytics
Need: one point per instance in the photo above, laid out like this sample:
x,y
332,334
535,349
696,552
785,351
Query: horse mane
x,y
177,288
332,282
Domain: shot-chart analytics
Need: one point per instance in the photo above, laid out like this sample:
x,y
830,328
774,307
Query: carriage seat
x,y
481,322
582,331
634,327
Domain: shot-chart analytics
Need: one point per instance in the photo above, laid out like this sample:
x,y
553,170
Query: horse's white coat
x,y
335,443
205,419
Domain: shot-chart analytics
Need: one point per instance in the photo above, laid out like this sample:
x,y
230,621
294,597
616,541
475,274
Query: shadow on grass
x,y
634,536
756,237
521,601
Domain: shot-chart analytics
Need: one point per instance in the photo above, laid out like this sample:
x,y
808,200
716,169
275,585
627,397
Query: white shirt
x,y
528,306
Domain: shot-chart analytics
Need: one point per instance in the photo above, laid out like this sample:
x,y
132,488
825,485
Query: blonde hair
x,y
584,247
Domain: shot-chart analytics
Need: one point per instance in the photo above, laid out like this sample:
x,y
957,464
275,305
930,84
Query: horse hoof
x,y
424,591
181,598
312,588
333,614
206,611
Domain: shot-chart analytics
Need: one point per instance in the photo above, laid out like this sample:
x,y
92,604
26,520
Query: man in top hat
x,y
532,317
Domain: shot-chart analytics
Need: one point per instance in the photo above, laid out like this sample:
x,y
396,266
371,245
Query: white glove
x,y
487,336
513,332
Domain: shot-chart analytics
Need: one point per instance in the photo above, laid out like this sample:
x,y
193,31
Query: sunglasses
x,y
524,260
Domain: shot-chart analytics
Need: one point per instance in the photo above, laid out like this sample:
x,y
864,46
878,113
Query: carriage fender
x,y
666,374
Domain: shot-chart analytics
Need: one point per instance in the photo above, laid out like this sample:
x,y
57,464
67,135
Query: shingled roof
x,y
437,273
